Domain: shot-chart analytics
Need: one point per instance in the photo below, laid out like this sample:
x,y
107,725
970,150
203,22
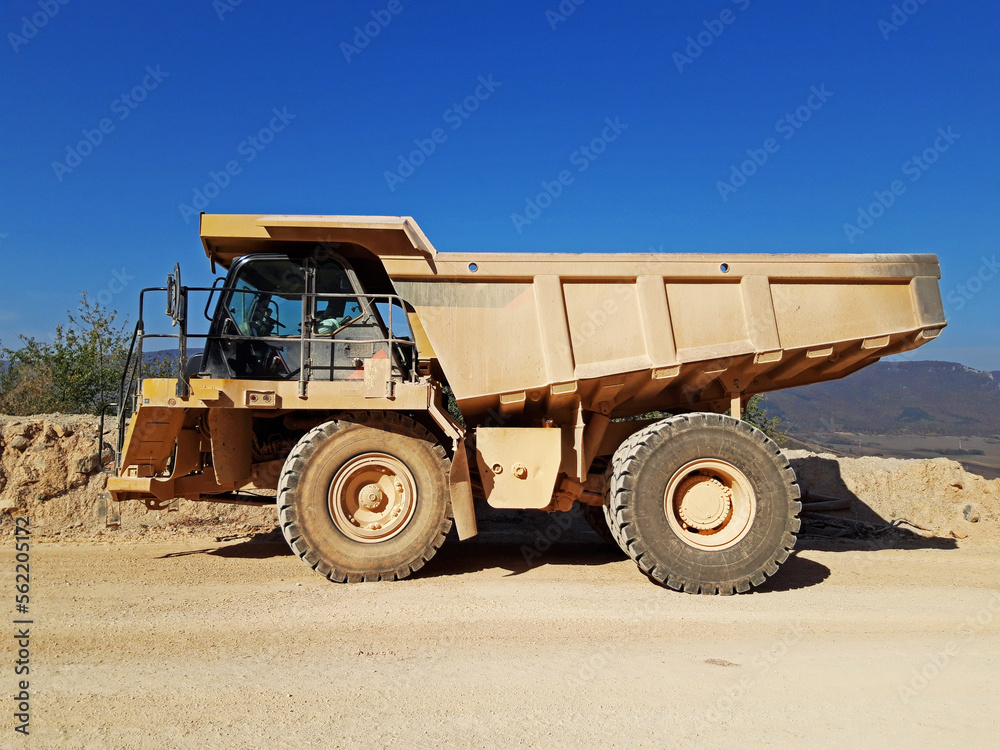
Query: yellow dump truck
x,y
321,376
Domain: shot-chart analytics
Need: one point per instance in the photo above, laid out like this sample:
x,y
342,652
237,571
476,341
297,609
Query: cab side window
x,y
334,312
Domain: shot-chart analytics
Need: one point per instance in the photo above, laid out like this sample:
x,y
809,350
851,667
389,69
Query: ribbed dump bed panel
x,y
663,332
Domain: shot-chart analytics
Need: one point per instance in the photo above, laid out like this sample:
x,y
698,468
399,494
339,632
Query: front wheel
x,y
365,497
704,503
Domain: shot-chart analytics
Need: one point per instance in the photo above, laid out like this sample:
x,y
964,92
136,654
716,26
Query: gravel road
x,y
185,641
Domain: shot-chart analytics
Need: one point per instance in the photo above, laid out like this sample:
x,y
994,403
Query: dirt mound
x,y
930,496
49,471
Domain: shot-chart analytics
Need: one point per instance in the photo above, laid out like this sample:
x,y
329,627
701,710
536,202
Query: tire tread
x,y
299,456
630,538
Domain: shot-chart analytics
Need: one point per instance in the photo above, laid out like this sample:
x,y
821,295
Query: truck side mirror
x,y
174,298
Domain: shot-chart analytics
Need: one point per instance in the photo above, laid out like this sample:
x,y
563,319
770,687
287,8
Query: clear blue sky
x,y
355,106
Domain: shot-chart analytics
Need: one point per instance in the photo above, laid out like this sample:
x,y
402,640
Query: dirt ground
x,y
199,629
183,641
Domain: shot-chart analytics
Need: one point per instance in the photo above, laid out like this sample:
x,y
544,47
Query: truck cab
x,y
265,304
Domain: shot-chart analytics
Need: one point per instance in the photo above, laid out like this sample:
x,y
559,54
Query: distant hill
x,y
892,398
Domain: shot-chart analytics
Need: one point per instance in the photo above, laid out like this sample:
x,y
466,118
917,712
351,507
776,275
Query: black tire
x,y
326,472
750,515
595,517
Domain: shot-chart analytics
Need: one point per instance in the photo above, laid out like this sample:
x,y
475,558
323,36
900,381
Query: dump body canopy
x,y
522,337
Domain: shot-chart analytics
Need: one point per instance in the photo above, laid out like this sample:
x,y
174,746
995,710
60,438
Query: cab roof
x,y
227,237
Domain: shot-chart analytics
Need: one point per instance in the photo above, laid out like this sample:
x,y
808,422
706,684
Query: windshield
x,y
267,300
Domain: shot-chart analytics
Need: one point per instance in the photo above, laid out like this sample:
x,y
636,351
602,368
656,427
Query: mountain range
x,y
891,398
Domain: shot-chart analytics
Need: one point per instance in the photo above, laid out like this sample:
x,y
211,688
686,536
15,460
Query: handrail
x,y
128,400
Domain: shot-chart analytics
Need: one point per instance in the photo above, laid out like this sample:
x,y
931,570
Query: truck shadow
x,y
461,558
517,551
857,526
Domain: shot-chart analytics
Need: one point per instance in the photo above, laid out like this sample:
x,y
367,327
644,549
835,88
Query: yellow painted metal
x,y
518,465
226,237
156,433
420,339
230,430
378,378
461,493
149,440
339,395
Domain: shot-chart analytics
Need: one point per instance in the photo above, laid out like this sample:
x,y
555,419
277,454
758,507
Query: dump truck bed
x,y
525,337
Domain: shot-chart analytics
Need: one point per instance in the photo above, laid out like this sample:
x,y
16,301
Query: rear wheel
x,y
704,503
365,497
596,519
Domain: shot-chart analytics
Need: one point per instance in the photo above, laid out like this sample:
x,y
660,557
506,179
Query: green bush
x,y
76,372
754,413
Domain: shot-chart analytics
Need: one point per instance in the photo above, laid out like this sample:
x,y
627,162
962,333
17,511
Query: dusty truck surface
x,y
328,351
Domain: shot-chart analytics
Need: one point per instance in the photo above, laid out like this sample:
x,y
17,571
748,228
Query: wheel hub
x,y
372,497
704,502
710,504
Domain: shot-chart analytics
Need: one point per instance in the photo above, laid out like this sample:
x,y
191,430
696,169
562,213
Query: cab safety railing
x,y
177,308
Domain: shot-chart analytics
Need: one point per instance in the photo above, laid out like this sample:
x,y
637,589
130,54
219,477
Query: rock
x,y
19,443
85,464
971,514
62,430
